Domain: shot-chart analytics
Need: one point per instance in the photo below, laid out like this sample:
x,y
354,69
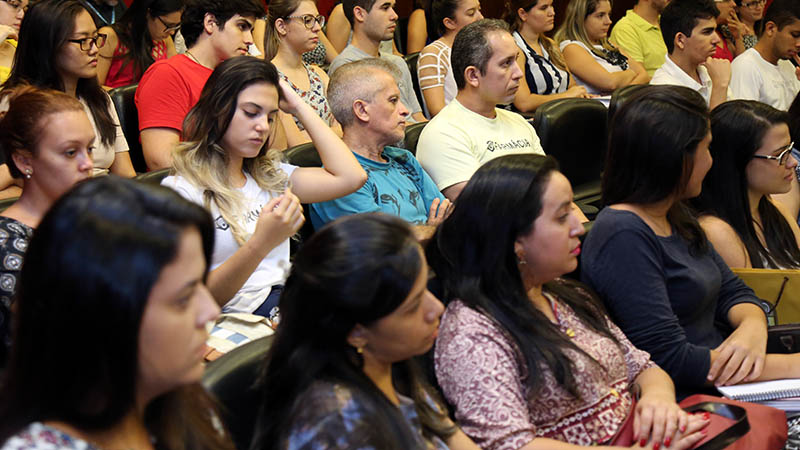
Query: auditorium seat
x,y
129,121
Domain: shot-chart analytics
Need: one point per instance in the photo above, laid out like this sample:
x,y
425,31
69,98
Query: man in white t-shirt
x,y
764,72
689,28
471,130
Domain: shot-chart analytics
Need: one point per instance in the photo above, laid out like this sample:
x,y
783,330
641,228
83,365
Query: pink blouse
x,y
482,373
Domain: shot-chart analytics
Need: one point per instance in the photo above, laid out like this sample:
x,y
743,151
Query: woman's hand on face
x,y
7,32
290,100
279,220
682,440
741,356
657,418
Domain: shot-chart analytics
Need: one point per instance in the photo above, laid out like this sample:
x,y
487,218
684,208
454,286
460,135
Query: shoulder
x,y
746,59
462,320
15,227
714,226
183,187
612,223
575,44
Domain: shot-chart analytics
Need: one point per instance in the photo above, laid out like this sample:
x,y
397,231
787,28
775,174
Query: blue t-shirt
x,y
399,186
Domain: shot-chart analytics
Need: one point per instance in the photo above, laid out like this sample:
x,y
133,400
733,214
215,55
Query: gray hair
x,y
471,48
356,81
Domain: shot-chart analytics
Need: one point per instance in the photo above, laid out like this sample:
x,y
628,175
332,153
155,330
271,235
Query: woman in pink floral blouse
x,y
527,358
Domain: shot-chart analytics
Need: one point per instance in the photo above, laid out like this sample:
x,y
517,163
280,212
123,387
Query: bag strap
x,y
730,434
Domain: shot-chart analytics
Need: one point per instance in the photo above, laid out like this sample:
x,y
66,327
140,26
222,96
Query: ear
x,y
770,28
210,23
360,14
357,337
519,250
22,159
680,40
522,14
360,110
449,23
280,25
472,76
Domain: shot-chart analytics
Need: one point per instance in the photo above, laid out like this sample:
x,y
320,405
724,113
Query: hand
x,y
796,59
576,91
438,212
684,439
657,418
7,32
737,28
279,219
741,356
719,70
290,101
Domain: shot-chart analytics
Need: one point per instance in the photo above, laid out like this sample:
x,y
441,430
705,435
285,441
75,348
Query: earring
x,y
360,350
28,173
521,261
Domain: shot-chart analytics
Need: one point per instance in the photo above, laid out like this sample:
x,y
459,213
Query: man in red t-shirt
x,y
214,30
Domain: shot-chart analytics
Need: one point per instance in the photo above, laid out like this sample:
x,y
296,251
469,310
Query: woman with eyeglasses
x,y
752,162
65,59
142,36
11,14
292,27
750,13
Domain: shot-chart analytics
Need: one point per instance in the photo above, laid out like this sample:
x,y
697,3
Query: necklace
x,y
196,60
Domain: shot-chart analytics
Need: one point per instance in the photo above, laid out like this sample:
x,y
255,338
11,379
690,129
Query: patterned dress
x,y
38,436
483,374
14,238
315,96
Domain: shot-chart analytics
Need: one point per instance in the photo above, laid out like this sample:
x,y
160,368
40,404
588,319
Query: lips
x,y
576,251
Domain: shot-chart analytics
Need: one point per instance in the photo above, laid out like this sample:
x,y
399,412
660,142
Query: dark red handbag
x,y
729,427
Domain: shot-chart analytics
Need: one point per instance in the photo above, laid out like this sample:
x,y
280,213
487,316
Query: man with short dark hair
x,y
689,32
638,33
374,21
214,30
471,130
764,72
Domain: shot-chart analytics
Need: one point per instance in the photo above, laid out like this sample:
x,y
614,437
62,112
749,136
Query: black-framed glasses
x,y
309,19
755,4
782,156
17,5
169,27
98,39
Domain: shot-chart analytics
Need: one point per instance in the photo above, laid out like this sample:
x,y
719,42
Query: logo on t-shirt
x,y
514,144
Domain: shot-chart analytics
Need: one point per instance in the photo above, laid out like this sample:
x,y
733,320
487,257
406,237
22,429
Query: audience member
x,y
528,358
375,21
765,72
65,59
639,35
596,63
48,141
105,12
729,31
471,129
750,13
127,289
752,161
434,71
688,28
142,36
338,374
293,28
417,33
214,30
546,74
11,14
340,32
225,166
365,99
649,260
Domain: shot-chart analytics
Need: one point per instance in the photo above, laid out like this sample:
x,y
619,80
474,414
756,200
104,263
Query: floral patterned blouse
x,y
314,96
483,373
332,416
38,436
14,238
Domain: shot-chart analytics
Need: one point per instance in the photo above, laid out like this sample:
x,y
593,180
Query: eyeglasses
x,y
309,19
755,4
782,156
169,27
17,5
98,39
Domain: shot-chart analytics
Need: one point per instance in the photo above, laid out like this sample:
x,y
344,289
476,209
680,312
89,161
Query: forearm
x,y
122,165
719,95
336,157
157,146
529,102
226,280
749,316
654,381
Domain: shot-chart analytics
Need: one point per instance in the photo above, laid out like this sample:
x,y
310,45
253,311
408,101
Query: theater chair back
x,y
129,121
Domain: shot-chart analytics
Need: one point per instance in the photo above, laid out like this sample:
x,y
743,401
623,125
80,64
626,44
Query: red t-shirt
x,y
168,90
722,51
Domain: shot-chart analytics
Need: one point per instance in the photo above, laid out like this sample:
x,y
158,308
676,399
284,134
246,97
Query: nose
x,y
577,226
791,162
516,72
248,37
478,15
86,163
394,15
207,309
715,38
436,308
403,110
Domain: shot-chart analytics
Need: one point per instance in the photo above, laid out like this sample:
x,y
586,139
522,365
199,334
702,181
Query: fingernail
x,y
667,441
706,415
642,442
683,429
657,445
704,432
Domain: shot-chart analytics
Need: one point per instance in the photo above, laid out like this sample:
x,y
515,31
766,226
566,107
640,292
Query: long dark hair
x,y
80,305
738,128
355,270
45,30
652,141
132,31
472,253
437,11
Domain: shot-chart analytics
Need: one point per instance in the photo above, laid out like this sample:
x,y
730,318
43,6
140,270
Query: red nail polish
x,y
683,429
642,442
667,441
706,415
704,432
656,446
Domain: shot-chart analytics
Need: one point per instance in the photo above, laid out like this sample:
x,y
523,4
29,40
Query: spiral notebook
x,y
762,391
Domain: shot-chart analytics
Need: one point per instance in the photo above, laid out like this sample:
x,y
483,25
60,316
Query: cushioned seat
x,y
412,136
411,61
153,177
620,96
129,121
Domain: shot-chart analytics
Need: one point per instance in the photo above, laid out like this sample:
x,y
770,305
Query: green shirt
x,y
641,40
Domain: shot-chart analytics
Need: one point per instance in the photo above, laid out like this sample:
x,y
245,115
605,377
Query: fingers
x,y
758,367
735,362
645,423
723,354
433,212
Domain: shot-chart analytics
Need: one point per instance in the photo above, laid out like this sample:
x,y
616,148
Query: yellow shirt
x,y
6,71
641,40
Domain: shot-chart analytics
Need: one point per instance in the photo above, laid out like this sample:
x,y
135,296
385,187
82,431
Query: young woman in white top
x,y
293,28
547,76
433,69
224,165
595,62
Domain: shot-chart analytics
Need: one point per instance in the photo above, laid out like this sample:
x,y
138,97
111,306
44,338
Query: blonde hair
x,y
573,28
204,163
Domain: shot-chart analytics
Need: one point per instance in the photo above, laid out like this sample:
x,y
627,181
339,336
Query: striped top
x,y
543,77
